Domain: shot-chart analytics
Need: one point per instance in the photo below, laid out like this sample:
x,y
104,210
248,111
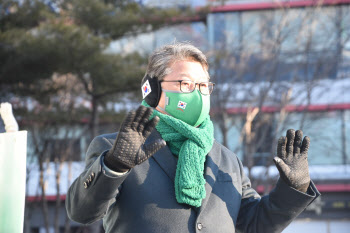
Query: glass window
x,y
232,31
347,135
325,29
235,125
346,35
250,31
217,30
290,25
324,130
146,43
191,32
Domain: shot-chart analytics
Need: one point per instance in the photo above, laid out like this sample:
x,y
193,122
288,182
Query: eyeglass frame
x,y
168,81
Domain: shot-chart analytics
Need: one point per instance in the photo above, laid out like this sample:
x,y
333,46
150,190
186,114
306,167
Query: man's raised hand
x,y
291,160
129,148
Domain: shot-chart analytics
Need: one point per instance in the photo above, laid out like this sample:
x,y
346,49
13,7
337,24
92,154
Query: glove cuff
x,y
303,188
114,163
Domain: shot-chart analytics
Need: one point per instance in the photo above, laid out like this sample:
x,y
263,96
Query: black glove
x,y
291,160
129,149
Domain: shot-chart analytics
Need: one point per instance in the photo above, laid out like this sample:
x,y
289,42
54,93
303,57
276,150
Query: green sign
x,y
13,150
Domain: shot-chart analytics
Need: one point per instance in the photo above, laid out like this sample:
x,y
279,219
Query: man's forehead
x,y
187,69
197,77
187,76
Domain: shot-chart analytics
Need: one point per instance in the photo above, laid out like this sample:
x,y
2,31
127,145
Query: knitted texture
x,y
190,145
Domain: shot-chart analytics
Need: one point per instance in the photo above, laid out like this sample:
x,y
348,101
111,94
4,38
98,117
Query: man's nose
x,y
197,86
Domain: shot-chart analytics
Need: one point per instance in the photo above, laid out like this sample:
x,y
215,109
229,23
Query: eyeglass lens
x,y
205,88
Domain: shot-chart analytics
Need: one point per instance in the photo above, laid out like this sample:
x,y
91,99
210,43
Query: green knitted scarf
x,y
190,145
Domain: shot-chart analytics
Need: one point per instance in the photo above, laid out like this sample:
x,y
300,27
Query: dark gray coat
x,y
143,200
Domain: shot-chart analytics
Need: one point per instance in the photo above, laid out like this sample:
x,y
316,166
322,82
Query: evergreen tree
x,y
43,39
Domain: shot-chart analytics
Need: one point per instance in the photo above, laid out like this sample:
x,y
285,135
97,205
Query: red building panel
x,y
275,5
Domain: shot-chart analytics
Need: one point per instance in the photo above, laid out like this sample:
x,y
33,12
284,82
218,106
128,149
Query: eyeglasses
x,y
188,86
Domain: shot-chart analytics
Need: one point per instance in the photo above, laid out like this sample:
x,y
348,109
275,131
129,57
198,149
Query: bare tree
x,y
256,86
55,132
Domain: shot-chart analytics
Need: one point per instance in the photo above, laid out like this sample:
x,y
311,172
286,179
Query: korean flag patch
x,y
146,89
181,104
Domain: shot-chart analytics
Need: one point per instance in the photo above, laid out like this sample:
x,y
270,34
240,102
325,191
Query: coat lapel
x,y
211,170
165,159
168,162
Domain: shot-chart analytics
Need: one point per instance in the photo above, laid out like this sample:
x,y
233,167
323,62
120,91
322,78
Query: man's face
x,y
182,70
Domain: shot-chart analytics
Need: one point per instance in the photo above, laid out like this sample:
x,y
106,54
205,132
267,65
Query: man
x,y
164,172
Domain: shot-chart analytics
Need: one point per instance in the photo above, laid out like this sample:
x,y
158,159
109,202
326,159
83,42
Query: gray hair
x,y
161,59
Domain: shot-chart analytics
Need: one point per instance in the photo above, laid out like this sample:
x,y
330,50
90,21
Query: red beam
x,y
291,108
48,198
333,187
275,5
326,188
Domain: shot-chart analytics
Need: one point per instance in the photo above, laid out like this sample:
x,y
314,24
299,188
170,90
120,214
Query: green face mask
x,y
191,108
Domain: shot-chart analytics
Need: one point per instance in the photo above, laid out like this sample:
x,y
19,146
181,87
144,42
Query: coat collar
x,y
165,159
211,169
